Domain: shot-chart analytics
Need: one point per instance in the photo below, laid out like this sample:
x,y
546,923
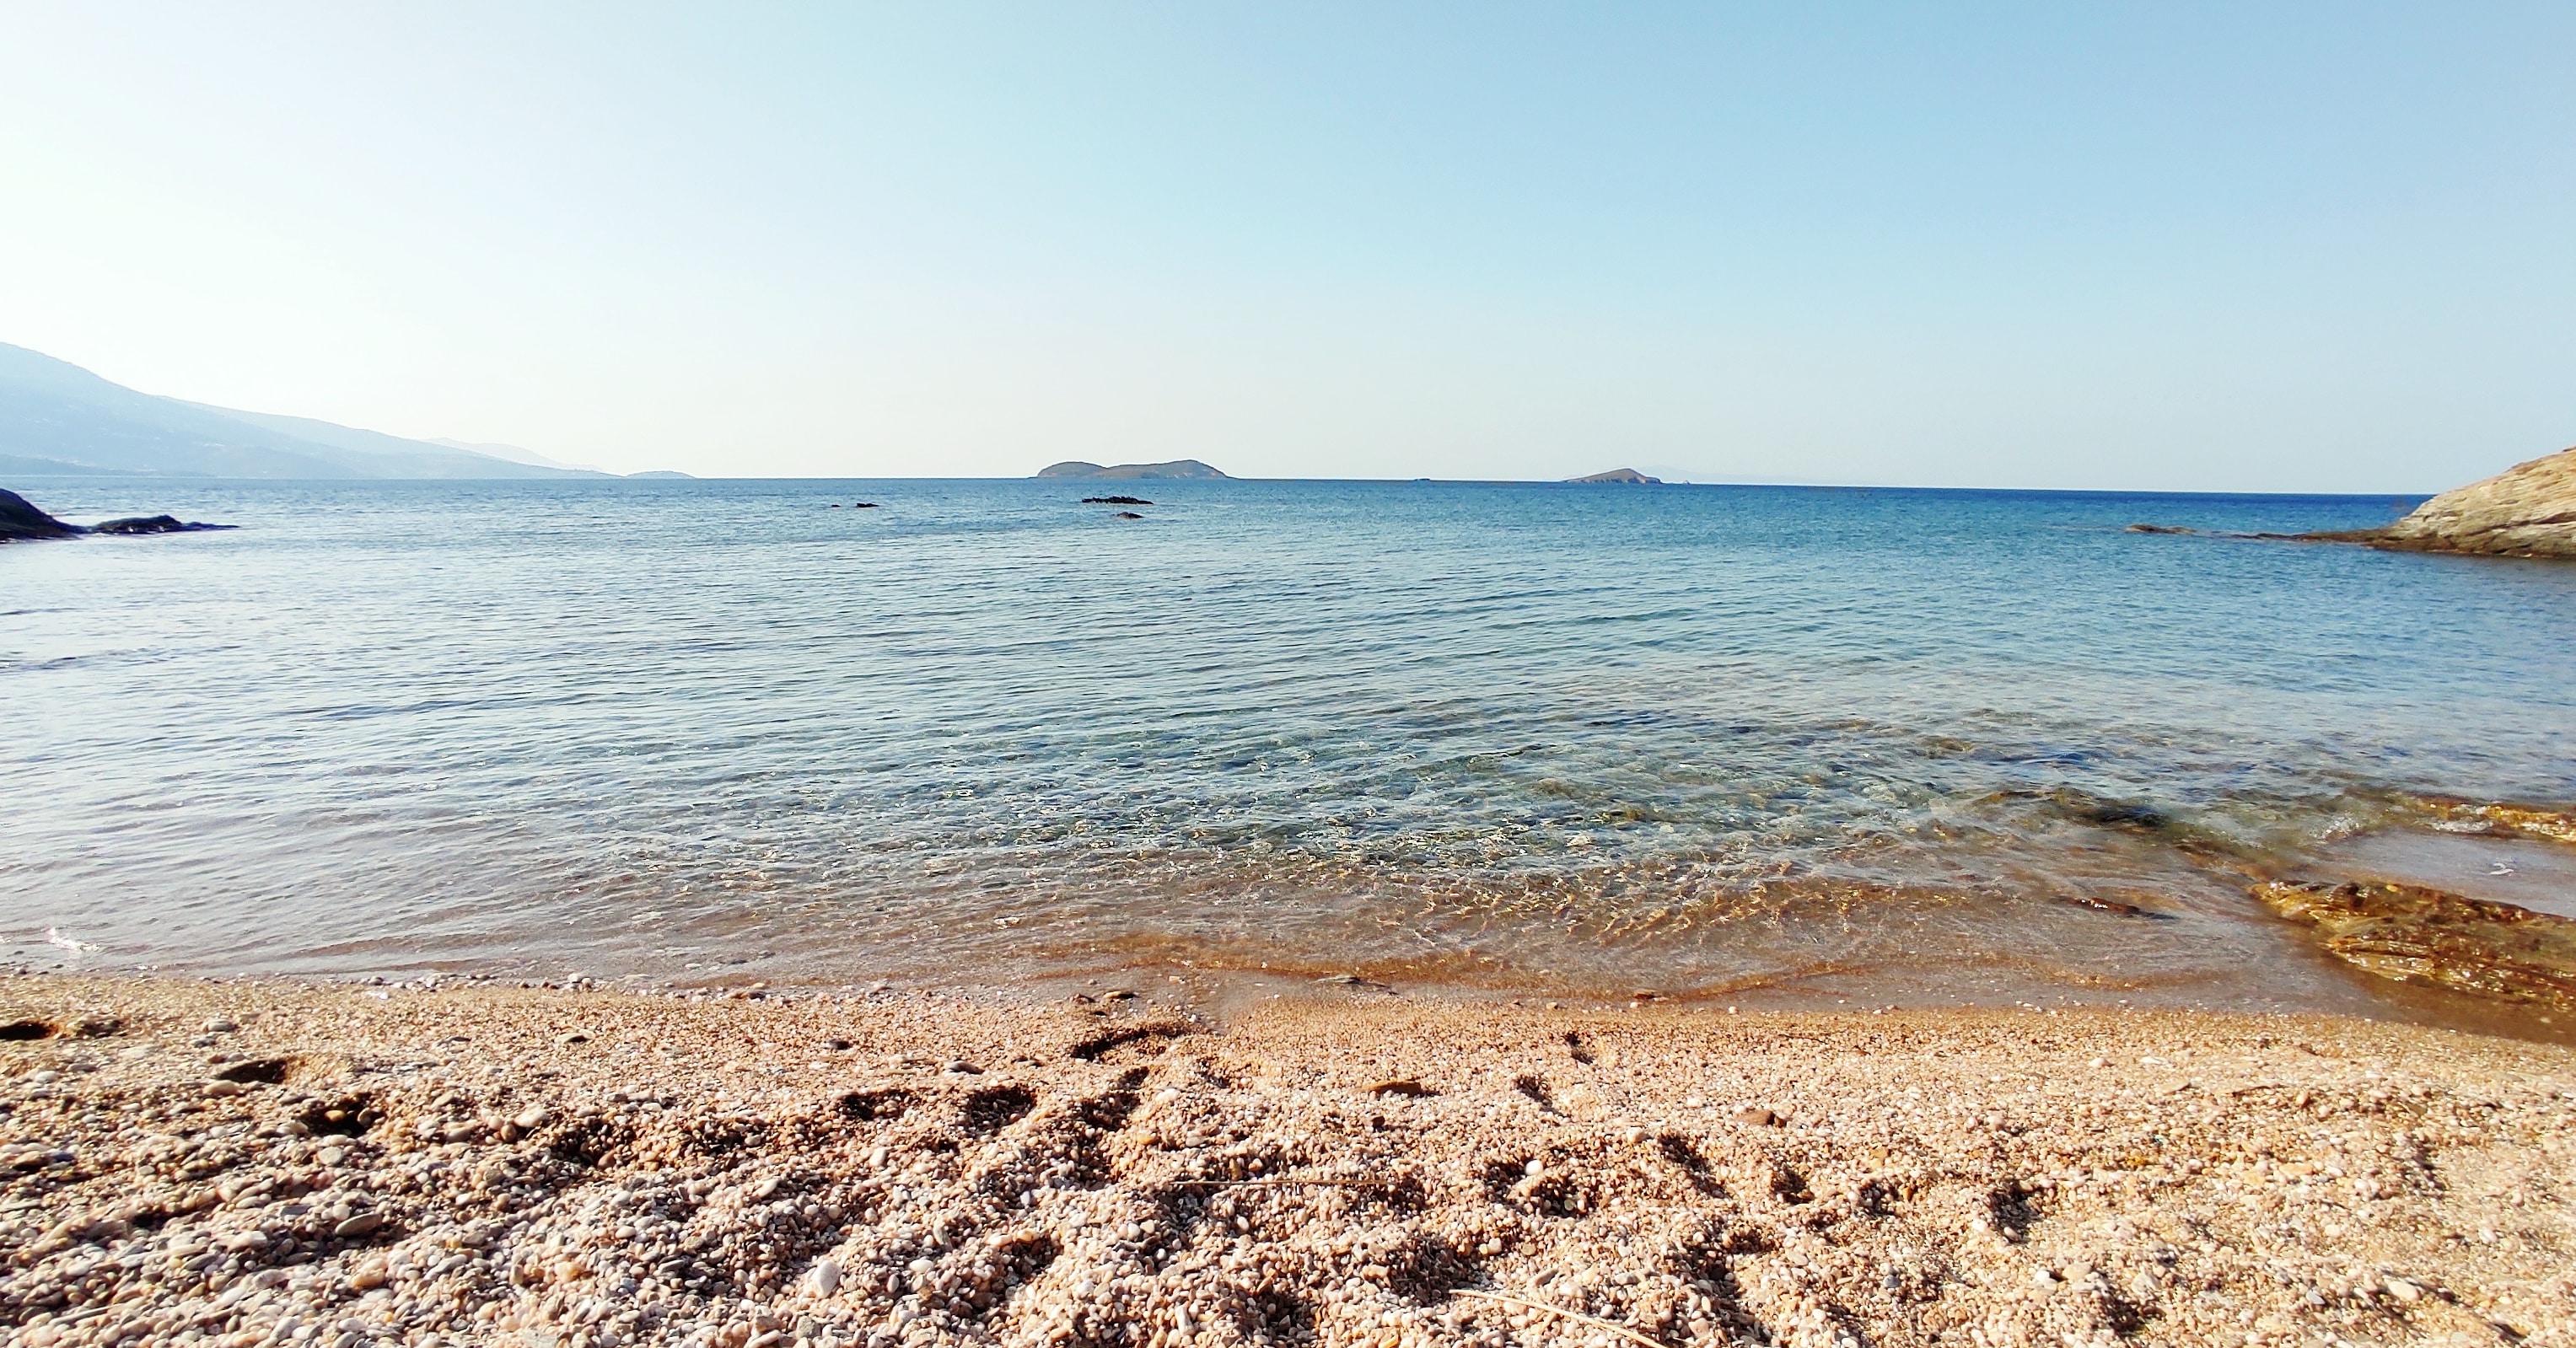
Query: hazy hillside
x,y
56,417
397,456
515,454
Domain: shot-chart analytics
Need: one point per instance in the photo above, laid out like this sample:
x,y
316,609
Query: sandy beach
x,y
239,1163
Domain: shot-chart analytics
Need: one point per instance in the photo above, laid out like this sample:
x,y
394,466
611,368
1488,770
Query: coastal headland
x,y
2528,510
252,1162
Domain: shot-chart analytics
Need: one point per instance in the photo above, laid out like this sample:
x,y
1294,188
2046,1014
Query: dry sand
x,y
242,1163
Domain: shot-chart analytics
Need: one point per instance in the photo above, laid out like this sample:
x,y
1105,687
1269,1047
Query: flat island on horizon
x,y
1129,472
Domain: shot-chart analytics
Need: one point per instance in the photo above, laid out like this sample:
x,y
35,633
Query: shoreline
x,y
217,1162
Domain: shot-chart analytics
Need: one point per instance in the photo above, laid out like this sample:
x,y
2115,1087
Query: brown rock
x,y
2413,934
2528,510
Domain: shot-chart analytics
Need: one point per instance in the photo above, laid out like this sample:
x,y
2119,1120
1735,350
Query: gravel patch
x,y
251,1163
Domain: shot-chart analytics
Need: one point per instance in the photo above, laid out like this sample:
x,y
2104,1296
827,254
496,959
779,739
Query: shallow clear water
x,y
1852,742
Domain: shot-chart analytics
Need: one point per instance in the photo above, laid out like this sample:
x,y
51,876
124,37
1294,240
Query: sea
x,y
1749,745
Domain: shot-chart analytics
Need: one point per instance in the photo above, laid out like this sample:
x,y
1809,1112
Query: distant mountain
x,y
1076,468
56,417
1627,476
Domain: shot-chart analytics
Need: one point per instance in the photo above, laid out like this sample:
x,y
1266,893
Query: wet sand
x,y
242,1163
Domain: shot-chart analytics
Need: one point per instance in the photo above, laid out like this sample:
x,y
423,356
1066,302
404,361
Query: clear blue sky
x,y
2273,246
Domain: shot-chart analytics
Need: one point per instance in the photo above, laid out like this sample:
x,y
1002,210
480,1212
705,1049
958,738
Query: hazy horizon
x,y
2310,249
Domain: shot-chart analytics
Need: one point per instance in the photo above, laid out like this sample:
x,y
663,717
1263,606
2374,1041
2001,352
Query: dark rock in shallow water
x,y
1127,515
863,505
153,524
2160,529
1115,500
2123,814
21,521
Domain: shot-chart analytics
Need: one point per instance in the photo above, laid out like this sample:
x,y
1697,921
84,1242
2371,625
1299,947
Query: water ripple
x,y
1696,737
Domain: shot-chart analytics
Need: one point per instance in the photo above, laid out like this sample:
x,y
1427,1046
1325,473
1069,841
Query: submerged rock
x,y
1115,500
154,524
2528,510
2414,934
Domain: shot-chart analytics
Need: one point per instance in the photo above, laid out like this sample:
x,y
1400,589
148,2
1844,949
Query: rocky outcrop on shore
x,y
2528,510
239,1164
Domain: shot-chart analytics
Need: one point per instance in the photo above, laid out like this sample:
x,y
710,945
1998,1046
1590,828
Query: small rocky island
x,y
1624,476
1130,472
22,522
2528,510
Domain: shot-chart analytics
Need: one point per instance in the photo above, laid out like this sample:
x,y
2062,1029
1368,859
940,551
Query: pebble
x,y
358,1225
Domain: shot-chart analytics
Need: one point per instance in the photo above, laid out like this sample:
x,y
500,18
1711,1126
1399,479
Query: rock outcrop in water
x,y
2528,510
22,522
1624,476
153,524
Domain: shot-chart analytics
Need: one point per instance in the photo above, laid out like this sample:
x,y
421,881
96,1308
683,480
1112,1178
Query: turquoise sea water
x,y
1901,745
